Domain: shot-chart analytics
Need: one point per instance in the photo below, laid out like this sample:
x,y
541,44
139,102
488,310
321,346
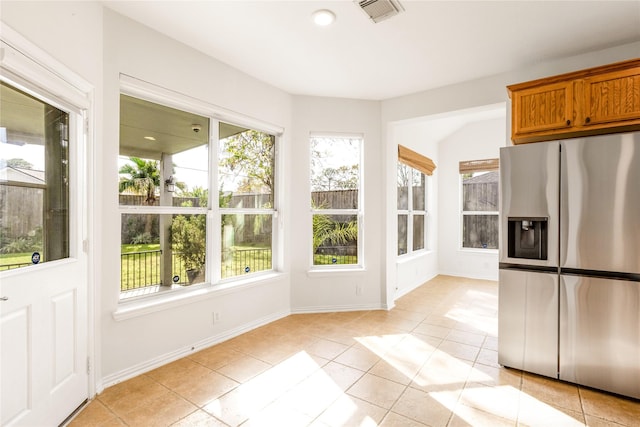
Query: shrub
x,y
142,239
188,234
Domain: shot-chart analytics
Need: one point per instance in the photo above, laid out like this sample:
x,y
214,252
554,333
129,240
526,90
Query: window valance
x,y
472,166
416,160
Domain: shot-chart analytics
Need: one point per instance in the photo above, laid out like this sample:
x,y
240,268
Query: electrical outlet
x,y
216,317
358,289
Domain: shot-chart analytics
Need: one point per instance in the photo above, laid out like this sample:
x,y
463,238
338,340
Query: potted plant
x,y
188,234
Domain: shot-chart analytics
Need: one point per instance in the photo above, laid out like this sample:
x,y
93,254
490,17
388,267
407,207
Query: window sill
x,y
401,259
164,300
322,272
479,251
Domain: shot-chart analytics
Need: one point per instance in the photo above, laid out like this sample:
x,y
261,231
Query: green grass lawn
x,y
144,269
20,258
327,259
140,248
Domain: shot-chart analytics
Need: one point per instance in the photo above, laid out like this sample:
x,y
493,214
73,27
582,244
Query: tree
x,y
249,156
325,230
202,194
141,177
341,178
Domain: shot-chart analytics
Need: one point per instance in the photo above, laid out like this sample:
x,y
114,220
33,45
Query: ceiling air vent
x,y
379,10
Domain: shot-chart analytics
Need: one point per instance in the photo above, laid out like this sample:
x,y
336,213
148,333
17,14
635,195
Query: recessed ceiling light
x,y
150,138
323,17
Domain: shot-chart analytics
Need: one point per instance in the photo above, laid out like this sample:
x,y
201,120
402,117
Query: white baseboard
x,y
163,359
469,276
336,308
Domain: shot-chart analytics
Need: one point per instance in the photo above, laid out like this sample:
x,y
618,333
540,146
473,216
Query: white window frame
x,y
219,212
410,212
359,212
149,92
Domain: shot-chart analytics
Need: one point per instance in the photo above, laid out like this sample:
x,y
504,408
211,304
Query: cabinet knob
x,y
587,120
568,122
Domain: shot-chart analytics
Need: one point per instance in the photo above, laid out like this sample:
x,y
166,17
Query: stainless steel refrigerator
x,y
569,279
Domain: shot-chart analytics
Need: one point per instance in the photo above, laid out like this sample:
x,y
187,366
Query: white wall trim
x,y
337,308
467,275
29,61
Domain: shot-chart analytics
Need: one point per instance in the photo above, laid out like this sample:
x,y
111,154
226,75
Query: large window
x,y
479,181
412,209
173,232
336,205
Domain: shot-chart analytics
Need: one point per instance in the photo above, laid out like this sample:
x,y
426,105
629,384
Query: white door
x,y
43,269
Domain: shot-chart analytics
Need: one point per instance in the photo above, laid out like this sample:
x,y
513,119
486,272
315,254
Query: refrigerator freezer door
x,y
528,321
529,188
600,206
600,333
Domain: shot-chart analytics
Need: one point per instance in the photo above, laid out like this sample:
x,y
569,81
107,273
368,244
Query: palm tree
x,y
325,230
141,177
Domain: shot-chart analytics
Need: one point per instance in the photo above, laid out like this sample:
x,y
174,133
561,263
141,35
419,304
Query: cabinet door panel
x,y
542,108
612,97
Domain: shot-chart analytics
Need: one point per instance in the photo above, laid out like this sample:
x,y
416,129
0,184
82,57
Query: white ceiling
x,y
431,44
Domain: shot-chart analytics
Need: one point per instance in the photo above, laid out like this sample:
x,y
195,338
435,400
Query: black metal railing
x,y
236,262
139,269
13,266
332,259
142,269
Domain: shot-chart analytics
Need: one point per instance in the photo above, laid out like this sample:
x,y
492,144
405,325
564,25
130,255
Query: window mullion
x,y
214,217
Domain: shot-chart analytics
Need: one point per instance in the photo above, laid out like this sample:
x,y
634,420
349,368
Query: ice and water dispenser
x,y
527,238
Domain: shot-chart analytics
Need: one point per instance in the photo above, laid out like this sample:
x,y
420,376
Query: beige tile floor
x,y
431,361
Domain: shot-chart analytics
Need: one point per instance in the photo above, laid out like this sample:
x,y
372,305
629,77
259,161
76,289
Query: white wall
x,y
336,290
138,343
477,140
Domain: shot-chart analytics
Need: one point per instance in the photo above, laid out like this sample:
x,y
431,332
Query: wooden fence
x,y
22,210
479,230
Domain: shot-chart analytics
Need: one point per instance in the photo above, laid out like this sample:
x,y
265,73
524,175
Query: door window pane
x,y
34,180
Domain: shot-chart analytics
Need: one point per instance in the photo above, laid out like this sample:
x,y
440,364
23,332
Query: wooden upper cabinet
x,y
598,100
542,109
612,97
